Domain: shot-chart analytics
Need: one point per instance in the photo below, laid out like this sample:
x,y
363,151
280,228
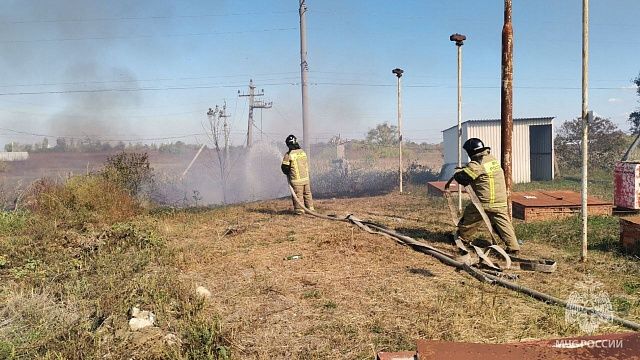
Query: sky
x,y
149,70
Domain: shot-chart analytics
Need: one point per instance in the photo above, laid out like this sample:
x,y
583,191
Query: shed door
x,y
541,143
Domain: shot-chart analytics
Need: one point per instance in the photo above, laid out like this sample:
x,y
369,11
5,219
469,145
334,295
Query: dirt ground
x,y
352,294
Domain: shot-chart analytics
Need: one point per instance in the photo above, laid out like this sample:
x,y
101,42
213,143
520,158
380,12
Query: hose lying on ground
x,y
479,274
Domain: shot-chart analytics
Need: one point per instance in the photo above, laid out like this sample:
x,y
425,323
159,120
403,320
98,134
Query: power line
x,y
81,91
144,36
96,137
135,18
257,77
101,116
156,79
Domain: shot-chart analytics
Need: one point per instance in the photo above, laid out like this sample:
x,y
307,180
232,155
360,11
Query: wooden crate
x,y
630,234
552,212
548,205
436,188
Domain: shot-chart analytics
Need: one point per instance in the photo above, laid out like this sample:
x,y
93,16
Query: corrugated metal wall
x,y
450,145
489,132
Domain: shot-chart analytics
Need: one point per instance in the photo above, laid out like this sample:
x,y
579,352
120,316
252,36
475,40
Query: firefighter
x,y
486,178
296,167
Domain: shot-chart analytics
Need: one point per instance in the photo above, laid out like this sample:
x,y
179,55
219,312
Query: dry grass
x,y
72,267
353,294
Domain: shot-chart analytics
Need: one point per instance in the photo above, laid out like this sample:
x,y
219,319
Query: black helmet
x,y
291,141
474,146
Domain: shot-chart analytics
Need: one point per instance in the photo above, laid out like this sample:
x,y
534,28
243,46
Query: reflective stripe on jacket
x,y
299,166
487,180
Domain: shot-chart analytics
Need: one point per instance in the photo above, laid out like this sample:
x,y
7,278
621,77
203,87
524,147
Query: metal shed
x,y
533,151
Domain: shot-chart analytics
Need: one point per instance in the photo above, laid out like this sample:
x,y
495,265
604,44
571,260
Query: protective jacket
x,y
486,177
296,167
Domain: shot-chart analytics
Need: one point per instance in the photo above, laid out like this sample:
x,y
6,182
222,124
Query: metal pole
x,y
585,121
304,73
400,131
398,72
506,113
459,39
192,161
460,122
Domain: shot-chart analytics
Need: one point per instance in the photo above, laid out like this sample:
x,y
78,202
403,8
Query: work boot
x,y
513,252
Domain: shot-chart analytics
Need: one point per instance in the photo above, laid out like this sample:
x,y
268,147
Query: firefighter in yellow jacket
x,y
296,167
486,178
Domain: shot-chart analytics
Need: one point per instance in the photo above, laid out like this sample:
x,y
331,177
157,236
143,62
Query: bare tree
x,y
218,132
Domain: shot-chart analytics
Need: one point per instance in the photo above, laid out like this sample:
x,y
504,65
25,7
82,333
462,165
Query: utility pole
x,y
253,104
226,131
398,72
506,109
585,121
459,40
304,74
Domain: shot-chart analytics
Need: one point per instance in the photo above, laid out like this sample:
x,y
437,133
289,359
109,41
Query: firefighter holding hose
x,y
296,167
486,177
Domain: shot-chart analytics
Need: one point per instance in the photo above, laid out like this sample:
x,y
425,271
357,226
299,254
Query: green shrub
x,y
132,171
82,200
12,221
419,174
354,183
203,339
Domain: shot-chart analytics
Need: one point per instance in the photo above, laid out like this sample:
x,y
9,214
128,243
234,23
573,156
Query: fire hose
x,y
512,262
487,276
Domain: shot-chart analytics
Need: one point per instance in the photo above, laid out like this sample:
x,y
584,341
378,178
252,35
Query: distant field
x,y
252,174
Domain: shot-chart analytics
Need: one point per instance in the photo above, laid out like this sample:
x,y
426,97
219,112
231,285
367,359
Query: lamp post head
x,y
458,38
398,72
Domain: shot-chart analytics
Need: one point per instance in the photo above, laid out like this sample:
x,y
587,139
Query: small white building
x,y
532,146
14,156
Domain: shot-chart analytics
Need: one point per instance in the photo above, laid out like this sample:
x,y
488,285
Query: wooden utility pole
x,y
253,104
585,121
304,74
506,100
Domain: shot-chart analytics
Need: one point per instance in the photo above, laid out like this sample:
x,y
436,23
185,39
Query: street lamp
x,y
459,40
398,73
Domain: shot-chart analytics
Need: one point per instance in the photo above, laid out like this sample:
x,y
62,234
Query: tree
x,y
219,133
132,171
634,117
61,145
607,144
383,134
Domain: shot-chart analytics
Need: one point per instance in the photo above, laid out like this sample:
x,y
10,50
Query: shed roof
x,y
546,118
